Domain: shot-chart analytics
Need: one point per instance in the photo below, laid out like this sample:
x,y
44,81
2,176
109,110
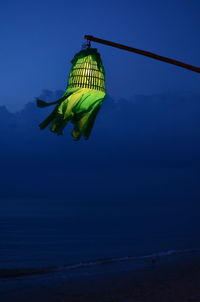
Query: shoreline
x,y
177,280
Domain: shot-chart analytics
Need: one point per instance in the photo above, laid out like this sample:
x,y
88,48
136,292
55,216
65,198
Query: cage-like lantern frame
x,y
87,71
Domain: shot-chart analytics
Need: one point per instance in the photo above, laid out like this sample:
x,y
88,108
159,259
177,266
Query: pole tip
x,y
88,37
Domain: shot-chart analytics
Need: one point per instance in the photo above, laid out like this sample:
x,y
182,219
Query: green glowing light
x,y
83,97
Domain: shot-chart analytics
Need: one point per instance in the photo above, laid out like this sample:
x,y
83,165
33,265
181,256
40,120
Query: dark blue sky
x,y
39,38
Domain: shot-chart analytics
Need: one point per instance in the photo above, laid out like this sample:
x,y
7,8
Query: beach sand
x,y
173,281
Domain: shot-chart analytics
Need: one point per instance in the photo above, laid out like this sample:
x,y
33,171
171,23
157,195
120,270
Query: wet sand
x,y
174,281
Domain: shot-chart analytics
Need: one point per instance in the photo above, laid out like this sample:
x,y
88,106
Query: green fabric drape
x,y
83,97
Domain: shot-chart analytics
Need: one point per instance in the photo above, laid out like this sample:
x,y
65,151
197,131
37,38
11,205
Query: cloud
x,y
141,141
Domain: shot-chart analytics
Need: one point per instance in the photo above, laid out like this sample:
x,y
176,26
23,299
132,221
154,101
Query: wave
x,y
20,272
150,258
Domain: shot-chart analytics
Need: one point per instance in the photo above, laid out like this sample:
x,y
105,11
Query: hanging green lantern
x,y
83,97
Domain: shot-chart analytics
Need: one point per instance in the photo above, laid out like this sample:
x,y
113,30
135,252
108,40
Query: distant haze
x,y
144,148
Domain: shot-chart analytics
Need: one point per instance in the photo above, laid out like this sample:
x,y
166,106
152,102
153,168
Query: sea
x,y
41,239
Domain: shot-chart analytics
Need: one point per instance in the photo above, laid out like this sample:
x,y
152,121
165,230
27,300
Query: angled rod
x,y
144,53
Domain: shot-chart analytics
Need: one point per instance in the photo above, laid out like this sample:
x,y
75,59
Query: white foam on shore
x,y
146,259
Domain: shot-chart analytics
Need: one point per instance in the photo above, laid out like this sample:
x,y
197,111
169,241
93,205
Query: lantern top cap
x,y
89,52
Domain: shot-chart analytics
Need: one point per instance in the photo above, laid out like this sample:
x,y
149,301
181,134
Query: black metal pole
x,y
144,53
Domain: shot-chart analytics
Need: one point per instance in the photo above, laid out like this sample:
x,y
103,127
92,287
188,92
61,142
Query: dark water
x,y
43,233
42,241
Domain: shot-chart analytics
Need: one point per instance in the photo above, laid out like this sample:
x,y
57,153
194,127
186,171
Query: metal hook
x,y
86,44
